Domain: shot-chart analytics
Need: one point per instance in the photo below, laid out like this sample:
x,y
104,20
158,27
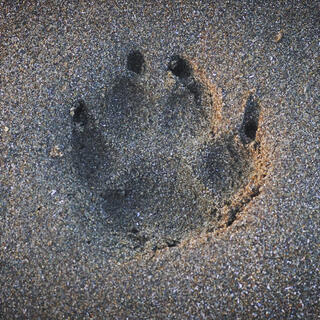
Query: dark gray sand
x,y
159,160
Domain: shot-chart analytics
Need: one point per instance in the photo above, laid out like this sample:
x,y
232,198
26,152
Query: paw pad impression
x,y
155,163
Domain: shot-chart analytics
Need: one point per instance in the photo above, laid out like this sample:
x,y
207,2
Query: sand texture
x,y
159,160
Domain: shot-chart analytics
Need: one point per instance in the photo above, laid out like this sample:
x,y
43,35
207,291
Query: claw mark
x,y
80,113
135,61
250,120
180,67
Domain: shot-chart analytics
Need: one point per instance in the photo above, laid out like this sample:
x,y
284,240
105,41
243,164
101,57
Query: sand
x,y
236,230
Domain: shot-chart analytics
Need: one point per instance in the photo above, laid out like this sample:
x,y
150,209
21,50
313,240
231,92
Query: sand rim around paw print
x,y
165,165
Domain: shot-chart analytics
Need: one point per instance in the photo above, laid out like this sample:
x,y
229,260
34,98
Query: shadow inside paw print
x,y
155,162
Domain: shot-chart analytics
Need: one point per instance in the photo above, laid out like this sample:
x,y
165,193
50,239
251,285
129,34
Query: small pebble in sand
x,y
278,36
72,111
56,152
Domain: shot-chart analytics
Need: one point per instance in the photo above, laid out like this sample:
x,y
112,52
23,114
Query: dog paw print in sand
x,y
161,160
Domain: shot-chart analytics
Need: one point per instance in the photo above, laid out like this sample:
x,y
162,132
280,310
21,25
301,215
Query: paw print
x,y
164,165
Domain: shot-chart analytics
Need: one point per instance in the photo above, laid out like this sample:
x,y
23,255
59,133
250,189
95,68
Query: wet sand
x,y
64,253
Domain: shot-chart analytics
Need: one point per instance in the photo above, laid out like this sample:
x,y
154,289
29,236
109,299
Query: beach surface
x,y
159,160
